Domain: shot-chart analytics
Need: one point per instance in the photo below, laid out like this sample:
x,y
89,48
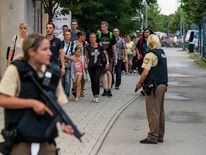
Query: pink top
x,y
79,66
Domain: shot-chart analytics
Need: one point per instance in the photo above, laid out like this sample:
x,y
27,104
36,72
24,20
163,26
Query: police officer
x,y
19,96
154,79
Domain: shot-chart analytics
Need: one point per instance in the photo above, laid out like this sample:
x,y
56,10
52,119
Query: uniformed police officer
x,y
18,95
154,79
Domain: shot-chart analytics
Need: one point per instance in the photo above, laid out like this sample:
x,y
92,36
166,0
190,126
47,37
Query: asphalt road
x,y
185,108
115,125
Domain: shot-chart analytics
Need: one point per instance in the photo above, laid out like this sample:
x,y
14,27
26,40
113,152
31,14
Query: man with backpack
x,y
108,42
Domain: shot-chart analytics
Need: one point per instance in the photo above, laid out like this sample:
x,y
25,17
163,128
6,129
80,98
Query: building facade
x,y
12,13
30,12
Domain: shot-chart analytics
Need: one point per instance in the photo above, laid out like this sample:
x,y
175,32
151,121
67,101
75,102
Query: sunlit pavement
x,y
185,108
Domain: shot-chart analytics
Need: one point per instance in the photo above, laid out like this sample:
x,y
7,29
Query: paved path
x,y
185,108
94,119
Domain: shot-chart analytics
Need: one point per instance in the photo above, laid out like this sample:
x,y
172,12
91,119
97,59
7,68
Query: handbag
x,y
8,50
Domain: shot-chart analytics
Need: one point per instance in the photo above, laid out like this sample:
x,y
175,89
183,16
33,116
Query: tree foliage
x,y
194,11
174,23
90,13
50,6
158,21
118,13
154,18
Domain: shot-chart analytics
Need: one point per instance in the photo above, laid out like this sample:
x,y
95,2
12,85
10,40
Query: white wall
x,y
1,48
29,14
12,13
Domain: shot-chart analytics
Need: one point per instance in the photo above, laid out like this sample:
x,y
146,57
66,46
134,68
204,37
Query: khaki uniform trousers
x,y
155,113
25,149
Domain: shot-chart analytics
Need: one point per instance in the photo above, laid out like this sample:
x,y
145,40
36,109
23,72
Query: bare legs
x,y
78,86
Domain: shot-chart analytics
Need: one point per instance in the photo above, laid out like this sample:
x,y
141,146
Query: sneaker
x,y
160,140
74,93
96,100
147,141
82,94
109,93
104,93
76,99
116,87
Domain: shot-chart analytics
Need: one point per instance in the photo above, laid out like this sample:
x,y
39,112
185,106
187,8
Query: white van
x,y
192,37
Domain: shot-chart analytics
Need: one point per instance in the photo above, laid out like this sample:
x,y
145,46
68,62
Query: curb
x,y
96,148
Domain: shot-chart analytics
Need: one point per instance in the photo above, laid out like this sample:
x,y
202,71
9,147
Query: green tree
x,y
118,13
165,23
174,23
194,11
50,6
154,20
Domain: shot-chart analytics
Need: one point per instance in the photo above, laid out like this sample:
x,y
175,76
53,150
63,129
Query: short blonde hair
x,y
23,25
33,41
153,41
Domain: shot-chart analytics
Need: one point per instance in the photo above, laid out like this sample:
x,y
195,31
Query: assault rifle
x,y
60,115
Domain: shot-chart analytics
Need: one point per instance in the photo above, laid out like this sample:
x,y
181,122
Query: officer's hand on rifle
x,y
40,108
67,128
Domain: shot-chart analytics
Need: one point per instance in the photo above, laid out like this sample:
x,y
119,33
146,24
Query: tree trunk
x,y
50,12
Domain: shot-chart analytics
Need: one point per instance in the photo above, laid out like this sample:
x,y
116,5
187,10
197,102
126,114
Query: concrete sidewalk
x,y
96,119
185,109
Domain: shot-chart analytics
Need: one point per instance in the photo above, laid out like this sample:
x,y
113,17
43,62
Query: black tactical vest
x,y
158,74
30,125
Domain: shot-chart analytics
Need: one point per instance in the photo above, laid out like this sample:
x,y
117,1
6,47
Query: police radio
x,y
51,76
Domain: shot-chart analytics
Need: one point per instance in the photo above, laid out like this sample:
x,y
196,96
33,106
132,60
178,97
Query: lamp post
x,y
182,26
144,2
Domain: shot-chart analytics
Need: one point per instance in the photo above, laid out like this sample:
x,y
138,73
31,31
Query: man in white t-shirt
x,y
65,28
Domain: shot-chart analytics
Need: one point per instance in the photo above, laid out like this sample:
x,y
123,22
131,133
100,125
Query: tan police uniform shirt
x,y
150,60
10,84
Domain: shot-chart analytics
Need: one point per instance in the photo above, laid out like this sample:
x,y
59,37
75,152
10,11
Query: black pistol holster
x,y
10,139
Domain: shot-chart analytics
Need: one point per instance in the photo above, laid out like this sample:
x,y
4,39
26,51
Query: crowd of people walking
x,y
103,55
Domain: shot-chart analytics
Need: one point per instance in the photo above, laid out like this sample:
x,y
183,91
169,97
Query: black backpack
x,y
8,50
